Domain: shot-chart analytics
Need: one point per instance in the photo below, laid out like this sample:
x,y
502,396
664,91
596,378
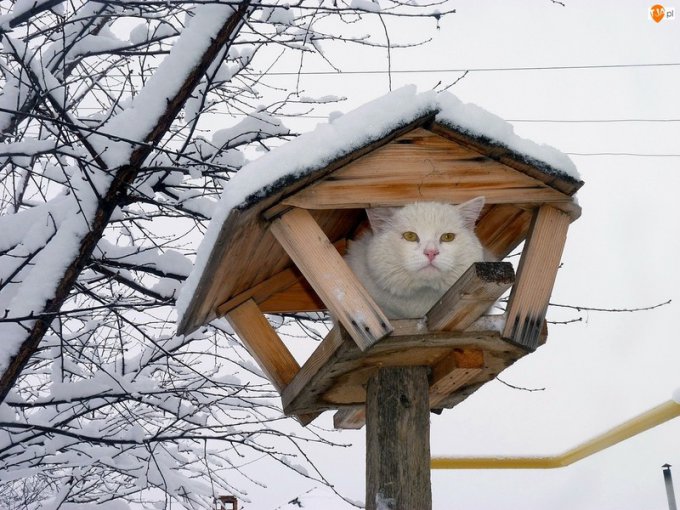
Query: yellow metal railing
x,y
645,421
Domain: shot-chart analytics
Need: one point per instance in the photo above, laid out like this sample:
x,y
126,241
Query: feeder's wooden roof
x,y
427,157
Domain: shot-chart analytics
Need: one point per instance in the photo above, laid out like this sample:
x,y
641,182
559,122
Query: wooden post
x,y
398,440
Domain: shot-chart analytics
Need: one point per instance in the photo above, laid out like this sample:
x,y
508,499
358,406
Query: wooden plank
x,y
350,418
246,254
264,344
269,213
218,273
299,297
314,369
510,237
330,276
536,275
282,293
398,440
557,180
331,194
336,374
502,228
424,166
454,371
472,295
260,292
266,257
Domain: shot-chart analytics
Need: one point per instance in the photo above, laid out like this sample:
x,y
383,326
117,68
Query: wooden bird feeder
x,y
281,252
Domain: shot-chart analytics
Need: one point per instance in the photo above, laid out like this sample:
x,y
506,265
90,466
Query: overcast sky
x,y
621,253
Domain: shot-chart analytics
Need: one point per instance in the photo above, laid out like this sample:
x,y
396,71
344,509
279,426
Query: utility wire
x,y
536,121
462,70
626,154
589,121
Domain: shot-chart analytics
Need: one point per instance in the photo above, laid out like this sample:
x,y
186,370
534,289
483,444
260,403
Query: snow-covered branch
x,y
121,123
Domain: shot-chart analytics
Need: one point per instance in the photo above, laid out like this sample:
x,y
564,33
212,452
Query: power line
x,y
625,154
536,121
589,121
462,70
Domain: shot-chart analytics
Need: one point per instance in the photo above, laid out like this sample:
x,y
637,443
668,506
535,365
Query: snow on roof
x,y
349,132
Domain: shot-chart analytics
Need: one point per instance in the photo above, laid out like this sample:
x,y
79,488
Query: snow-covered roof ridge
x,y
343,136
331,141
377,119
492,130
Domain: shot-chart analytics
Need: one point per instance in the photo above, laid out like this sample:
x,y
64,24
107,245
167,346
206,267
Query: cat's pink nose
x,y
431,253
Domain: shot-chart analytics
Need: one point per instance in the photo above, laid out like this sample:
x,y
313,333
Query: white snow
x,y
365,5
54,230
281,15
136,121
347,133
20,8
10,100
676,396
480,122
383,503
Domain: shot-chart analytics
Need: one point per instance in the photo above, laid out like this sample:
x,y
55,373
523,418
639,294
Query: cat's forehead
x,y
429,215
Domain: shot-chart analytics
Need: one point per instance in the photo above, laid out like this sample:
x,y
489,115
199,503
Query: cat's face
x,y
425,244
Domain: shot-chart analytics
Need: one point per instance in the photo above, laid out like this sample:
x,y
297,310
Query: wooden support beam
x,y
398,440
336,374
285,291
264,344
330,194
330,276
452,372
536,276
474,292
350,418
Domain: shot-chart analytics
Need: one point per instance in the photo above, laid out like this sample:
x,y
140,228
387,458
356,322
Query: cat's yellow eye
x,y
410,236
447,237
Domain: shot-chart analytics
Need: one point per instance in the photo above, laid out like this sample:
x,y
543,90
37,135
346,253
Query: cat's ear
x,y
469,211
380,217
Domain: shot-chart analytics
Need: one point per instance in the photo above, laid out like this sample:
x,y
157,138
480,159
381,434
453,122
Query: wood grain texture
x,y
472,295
330,276
398,440
353,417
262,291
557,180
245,257
536,275
438,165
424,166
335,375
299,297
453,371
264,344
502,228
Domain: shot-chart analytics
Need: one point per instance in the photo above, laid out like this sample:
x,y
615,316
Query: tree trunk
x,y
398,440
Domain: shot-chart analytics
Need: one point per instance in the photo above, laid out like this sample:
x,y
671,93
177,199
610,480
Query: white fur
x,y
397,272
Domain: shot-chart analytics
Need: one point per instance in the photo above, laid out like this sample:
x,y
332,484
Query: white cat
x,y
414,254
